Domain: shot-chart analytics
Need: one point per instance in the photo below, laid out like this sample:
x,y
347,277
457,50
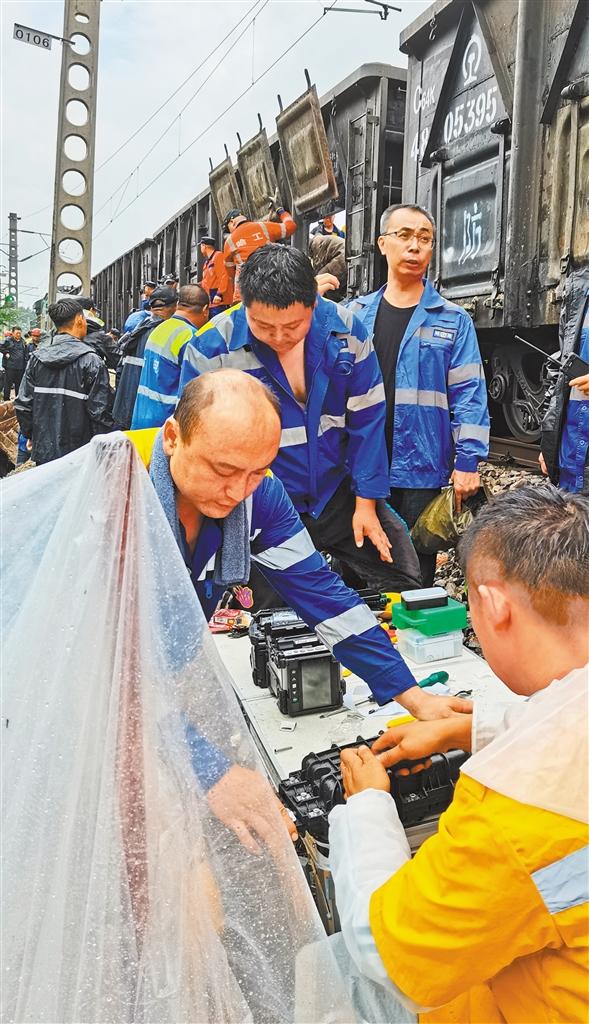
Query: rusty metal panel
x,y
258,176
225,190
305,152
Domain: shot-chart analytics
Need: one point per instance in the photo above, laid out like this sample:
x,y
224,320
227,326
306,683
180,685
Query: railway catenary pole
x,y
71,247
13,257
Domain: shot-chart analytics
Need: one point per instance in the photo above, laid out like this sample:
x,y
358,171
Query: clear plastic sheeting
x,y
125,896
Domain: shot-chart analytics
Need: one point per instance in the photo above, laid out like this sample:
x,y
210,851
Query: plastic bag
x,y
439,526
125,897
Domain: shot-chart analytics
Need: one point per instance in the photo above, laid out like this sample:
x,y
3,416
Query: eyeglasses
x,y
405,235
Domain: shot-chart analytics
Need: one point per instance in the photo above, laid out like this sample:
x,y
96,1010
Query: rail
x,y
507,451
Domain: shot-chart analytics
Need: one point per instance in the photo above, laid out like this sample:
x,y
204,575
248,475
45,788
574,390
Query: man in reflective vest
x,y
437,423
489,921
157,393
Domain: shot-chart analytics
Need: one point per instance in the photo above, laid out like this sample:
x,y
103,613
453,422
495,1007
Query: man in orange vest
x,y
245,236
215,278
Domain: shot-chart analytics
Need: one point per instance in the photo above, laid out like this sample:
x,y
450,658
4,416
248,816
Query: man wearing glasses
x,y
437,422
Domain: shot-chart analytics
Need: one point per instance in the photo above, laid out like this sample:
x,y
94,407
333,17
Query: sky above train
x,y
147,50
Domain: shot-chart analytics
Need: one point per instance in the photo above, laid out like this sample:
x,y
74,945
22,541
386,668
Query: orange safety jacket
x,y
215,279
252,235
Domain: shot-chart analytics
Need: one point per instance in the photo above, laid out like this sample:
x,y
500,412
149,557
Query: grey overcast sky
x,y
147,48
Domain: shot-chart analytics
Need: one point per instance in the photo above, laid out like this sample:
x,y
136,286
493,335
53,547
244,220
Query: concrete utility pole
x,y
13,257
71,242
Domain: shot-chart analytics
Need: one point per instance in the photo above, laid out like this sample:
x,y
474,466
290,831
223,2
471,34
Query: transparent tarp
x,y
125,895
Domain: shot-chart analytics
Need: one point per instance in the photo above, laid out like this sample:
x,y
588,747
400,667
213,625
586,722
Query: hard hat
x,y
230,216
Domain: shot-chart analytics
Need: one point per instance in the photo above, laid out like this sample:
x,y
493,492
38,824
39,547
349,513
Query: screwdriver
x,y
435,677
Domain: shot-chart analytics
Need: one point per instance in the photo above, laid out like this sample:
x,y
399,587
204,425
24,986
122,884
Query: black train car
x,y
342,152
497,146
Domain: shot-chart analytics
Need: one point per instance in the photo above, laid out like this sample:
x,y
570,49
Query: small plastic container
x,y
423,649
431,621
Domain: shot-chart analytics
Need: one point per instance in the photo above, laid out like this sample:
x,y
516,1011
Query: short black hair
x,y
86,301
16,327
192,296
538,536
384,220
64,312
278,275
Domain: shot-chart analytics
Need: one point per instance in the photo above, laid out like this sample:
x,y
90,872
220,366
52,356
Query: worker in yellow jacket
x,y
489,921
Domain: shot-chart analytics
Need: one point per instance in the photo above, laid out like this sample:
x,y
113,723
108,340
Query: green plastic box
x,y
431,621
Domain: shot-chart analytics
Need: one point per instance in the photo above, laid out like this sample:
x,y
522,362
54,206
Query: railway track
x,y
509,452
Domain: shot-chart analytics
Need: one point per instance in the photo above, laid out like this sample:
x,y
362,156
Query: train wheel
x,y
518,389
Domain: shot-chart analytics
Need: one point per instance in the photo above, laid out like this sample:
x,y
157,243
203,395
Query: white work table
x,y
315,732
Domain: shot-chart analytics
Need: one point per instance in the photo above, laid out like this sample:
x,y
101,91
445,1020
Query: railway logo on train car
x,y
471,60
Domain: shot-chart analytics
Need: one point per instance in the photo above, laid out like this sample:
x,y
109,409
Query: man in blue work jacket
x,y
437,422
320,363
157,393
224,509
564,444
162,305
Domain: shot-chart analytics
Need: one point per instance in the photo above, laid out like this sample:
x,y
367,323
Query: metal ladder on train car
x,y
360,187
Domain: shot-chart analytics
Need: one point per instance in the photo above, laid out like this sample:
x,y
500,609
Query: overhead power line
x,y
153,145
182,84
213,122
154,113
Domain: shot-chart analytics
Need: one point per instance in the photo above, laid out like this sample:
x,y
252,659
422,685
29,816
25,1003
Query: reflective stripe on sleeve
x,y
372,397
577,395
61,391
565,883
413,396
359,349
133,360
330,422
157,396
224,325
287,554
293,435
350,623
470,371
470,432
346,314
240,359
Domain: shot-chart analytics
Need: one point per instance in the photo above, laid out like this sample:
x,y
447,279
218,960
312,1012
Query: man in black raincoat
x,y
65,397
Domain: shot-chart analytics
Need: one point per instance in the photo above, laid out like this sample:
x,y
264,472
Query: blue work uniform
x,y
136,317
284,552
574,442
338,433
441,419
157,393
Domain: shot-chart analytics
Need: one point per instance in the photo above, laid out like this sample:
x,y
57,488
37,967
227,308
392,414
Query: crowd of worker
x,y
279,426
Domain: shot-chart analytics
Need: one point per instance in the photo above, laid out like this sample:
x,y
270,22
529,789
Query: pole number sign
x,y
32,36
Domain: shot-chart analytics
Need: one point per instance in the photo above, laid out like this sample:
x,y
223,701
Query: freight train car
x,y
341,153
497,146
